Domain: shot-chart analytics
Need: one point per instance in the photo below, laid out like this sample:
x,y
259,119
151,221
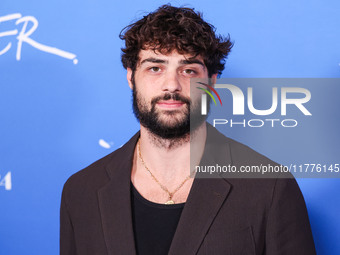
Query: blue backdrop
x,y
65,102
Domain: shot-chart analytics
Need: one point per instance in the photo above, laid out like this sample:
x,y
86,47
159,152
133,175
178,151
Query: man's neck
x,y
169,162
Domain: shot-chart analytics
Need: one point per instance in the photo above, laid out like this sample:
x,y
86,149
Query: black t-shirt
x,y
154,224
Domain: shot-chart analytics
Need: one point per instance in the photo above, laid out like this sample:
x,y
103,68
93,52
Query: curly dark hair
x,y
171,28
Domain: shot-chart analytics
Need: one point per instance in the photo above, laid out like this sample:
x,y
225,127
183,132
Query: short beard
x,y
178,131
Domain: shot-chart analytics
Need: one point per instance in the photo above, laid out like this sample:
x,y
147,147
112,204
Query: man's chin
x,y
168,126
169,129
171,121
171,134
173,113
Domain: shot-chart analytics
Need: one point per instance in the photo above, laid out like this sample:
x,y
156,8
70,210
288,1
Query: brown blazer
x,y
226,216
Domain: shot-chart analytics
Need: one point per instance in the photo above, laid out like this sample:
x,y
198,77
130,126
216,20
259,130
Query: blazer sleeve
x,y
67,240
288,230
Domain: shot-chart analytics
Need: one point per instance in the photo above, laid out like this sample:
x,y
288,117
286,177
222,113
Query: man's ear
x,y
213,79
129,77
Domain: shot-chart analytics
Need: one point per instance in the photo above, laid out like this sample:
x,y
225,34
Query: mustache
x,y
171,96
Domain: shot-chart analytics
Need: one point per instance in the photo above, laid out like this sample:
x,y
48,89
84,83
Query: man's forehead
x,y
173,55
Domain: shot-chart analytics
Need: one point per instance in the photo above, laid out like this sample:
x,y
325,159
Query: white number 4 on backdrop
x,y
6,181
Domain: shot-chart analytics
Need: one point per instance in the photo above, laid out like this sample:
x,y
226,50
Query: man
x,y
141,198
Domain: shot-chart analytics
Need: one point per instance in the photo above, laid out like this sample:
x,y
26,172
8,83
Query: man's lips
x,y
170,104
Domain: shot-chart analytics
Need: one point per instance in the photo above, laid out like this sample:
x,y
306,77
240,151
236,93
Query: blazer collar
x,y
204,201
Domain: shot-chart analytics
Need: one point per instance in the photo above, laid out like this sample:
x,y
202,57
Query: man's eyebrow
x,y
182,62
191,61
154,60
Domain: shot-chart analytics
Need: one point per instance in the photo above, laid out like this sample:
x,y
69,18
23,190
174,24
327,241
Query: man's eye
x,y
189,71
154,69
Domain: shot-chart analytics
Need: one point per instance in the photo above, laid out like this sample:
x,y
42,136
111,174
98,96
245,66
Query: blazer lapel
x,y
205,198
115,203
204,201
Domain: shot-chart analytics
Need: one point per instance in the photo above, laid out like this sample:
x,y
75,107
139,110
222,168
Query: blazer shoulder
x,y
251,166
91,172
242,153
239,152
98,173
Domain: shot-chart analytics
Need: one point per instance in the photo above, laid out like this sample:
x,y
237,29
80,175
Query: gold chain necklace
x,y
170,194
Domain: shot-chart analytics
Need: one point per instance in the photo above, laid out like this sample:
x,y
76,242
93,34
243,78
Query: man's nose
x,y
171,83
